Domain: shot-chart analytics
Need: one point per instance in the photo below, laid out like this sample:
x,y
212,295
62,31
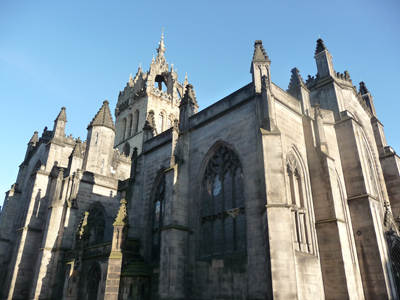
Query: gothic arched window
x,y
300,209
130,125
223,215
160,124
158,216
123,129
97,225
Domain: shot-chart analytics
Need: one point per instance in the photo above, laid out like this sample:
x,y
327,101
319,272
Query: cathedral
x,y
266,194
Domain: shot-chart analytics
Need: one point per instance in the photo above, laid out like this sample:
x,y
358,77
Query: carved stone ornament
x,y
234,212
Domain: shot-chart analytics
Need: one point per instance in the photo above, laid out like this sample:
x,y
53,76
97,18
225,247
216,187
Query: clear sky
x,y
78,53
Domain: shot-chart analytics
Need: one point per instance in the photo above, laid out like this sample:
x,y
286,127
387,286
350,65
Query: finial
x,y
162,33
130,76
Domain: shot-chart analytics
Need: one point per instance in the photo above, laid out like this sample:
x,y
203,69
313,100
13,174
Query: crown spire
x,y
103,117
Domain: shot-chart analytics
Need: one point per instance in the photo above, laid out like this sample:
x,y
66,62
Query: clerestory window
x,y
223,218
158,215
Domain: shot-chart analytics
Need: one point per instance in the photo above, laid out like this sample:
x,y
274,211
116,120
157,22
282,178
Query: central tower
x,y
153,96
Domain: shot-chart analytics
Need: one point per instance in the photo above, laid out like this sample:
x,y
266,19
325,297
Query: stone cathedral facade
x,y
266,194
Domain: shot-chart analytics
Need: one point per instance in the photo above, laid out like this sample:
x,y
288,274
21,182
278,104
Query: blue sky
x,y
78,53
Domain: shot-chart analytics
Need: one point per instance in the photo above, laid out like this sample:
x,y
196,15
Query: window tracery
x,y
223,214
158,217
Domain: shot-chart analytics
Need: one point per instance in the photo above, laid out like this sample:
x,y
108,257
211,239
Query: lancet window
x,y
136,128
223,218
299,206
160,124
123,129
158,218
130,125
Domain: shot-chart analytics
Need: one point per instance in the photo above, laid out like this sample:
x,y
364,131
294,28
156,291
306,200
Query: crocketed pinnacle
x,y
77,151
363,88
62,116
320,46
122,217
34,139
83,227
259,52
103,118
189,96
295,79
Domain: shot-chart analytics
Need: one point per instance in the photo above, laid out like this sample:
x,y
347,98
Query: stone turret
x,y
100,141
